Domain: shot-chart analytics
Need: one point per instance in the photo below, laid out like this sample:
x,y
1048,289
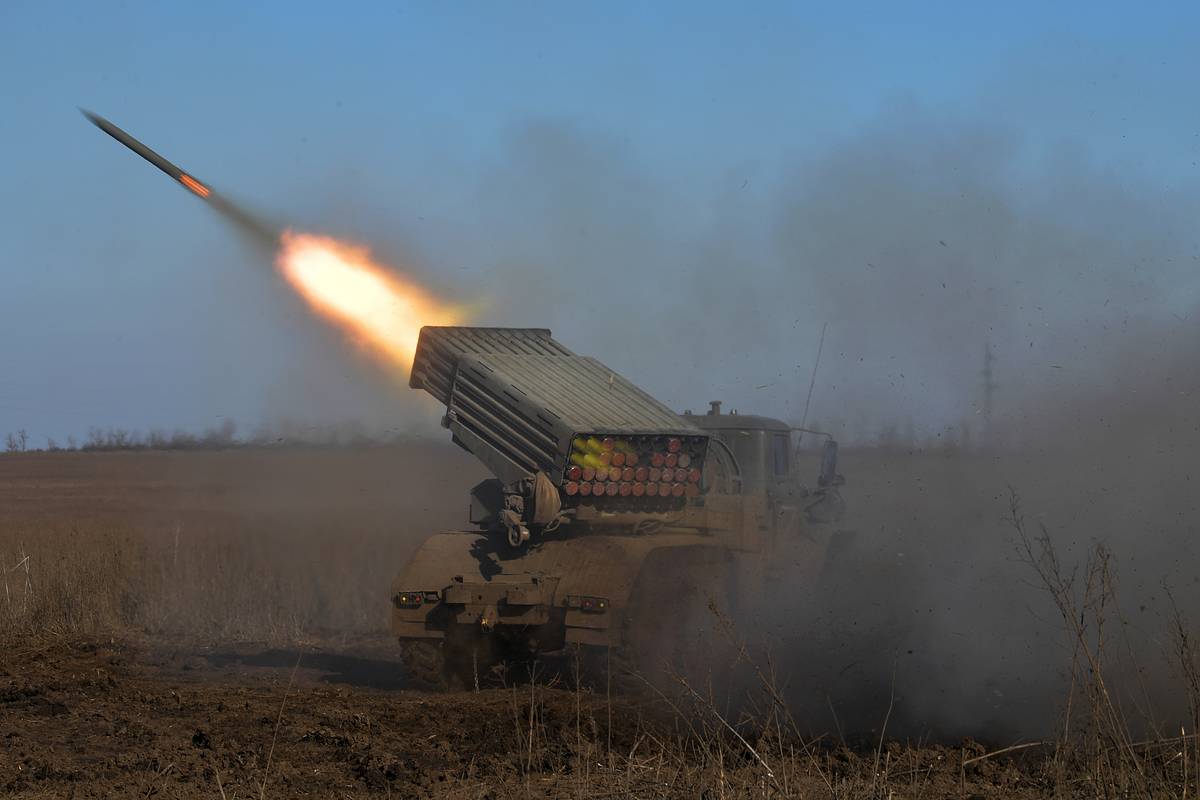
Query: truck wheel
x,y
678,605
424,663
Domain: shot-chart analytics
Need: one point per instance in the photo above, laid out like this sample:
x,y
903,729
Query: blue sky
x,y
410,126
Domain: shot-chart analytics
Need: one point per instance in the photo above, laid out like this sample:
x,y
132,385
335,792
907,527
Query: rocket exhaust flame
x,y
375,308
195,185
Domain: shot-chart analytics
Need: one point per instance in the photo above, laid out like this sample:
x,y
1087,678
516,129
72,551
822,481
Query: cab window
x,y
779,453
747,448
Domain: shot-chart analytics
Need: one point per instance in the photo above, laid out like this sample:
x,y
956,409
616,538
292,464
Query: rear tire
x,y
677,611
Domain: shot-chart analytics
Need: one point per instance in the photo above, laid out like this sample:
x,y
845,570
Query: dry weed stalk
x,y
262,787
1187,656
1103,749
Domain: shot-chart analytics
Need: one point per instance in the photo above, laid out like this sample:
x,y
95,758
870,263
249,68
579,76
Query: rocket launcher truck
x,y
611,521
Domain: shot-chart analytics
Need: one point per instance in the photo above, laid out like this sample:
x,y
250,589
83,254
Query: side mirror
x,y
829,463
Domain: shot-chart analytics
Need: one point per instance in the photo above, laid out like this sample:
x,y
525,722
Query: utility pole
x,y
989,391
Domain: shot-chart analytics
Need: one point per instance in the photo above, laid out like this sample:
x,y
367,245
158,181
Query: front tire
x,y
424,663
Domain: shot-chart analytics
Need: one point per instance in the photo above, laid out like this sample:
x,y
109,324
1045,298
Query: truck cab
x,y
758,455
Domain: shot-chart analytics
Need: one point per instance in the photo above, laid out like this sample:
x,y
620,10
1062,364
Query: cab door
x,y
782,489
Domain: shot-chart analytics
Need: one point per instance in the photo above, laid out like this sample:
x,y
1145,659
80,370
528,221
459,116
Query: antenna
x,y
812,383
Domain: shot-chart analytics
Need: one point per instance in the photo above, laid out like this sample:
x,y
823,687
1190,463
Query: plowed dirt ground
x,y
93,720
103,720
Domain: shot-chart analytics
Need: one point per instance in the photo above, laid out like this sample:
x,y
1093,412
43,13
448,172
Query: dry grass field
x,y
213,624
275,545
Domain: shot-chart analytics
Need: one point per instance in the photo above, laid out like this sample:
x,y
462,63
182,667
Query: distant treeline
x,y
220,437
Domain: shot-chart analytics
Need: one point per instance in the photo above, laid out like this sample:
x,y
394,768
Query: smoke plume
x,y
922,240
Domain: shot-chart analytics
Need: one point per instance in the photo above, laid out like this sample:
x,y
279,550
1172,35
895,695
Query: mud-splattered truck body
x,y
607,510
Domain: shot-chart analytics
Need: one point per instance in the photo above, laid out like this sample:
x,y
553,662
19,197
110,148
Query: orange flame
x,y
374,307
195,185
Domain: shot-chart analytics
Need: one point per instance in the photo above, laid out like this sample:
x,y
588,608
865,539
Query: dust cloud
x,y
922,241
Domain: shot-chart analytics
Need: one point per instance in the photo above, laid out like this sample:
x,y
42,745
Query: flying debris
x,y
263,231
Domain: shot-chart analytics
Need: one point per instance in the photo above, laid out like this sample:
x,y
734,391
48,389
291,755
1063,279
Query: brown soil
x,y
90,719
97,720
